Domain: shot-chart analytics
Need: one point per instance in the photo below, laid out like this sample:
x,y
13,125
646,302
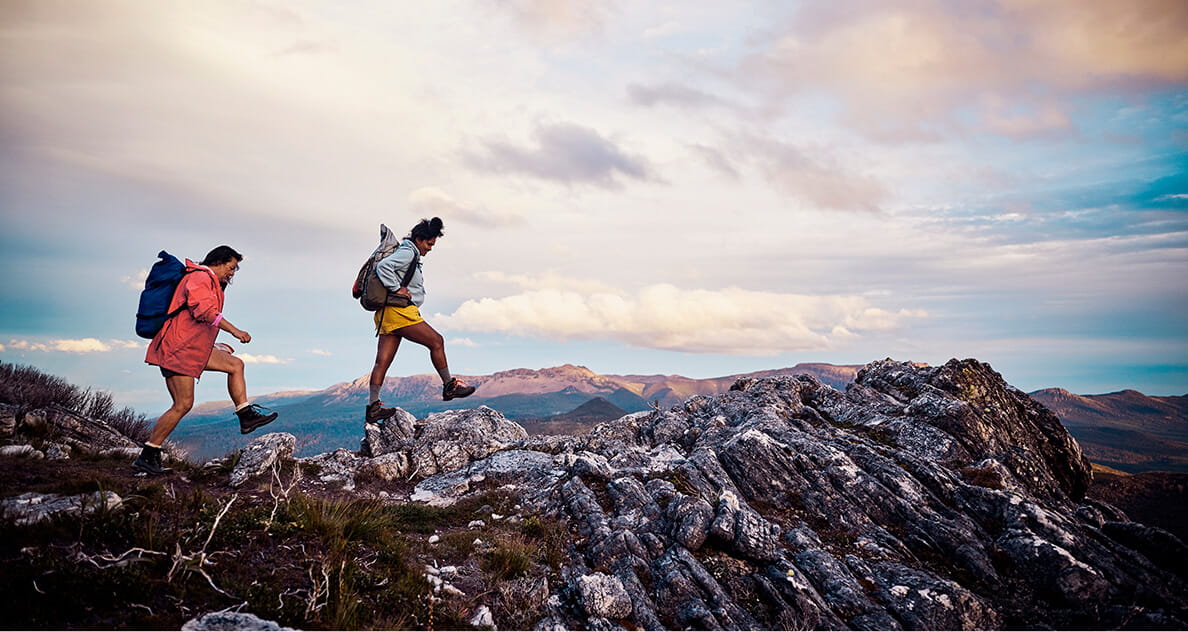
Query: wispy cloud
x,y
674,94
564,152
665,317
811,175
249,358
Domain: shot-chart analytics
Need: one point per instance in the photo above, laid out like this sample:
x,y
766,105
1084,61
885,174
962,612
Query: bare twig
x,y
280,491
215,526
194,563
115,560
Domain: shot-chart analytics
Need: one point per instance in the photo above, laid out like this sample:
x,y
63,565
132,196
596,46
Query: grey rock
x,y
452,439
260,455
231,621
394,435
392,466
57,452
339,467
604,596
27,451
32,508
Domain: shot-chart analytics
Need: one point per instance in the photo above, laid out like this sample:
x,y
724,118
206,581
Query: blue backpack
x,y
158,292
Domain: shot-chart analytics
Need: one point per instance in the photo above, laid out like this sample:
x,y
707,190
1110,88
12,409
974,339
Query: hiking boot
x,y
376,413
456,389
252,417
149,462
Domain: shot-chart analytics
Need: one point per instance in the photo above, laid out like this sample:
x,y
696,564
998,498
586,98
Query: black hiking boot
x,y
456,389
149,462
377,414
252,417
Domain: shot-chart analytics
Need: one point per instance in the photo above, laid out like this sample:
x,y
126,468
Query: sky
x,y
701,188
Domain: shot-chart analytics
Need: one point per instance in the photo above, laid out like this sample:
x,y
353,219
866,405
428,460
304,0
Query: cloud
x,y
321,352
674,94
565,153
665,317
81,345
462,342
810,175
430,201
910,71
262,359
135,280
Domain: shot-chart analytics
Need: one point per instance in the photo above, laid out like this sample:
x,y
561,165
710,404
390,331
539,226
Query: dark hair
x,y
427,229
221,255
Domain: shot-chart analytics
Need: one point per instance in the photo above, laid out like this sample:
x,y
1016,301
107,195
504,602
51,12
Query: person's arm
x,y
225,325
202,301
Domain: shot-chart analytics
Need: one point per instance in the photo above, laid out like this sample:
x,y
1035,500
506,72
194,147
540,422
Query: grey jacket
x,y
391,271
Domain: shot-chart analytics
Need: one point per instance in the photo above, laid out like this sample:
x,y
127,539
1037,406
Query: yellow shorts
x,y
394,318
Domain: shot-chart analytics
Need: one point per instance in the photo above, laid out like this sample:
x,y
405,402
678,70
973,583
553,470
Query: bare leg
x,y
236,383
423,334
181,390
385,353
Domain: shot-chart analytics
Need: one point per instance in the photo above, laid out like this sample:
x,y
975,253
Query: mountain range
x,y
1126,431
332,418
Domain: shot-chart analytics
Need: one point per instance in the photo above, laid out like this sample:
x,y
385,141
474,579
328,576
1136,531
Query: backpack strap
x,y
412,267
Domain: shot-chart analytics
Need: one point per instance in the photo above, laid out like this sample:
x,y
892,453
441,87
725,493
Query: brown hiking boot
x,y
456,389
376,413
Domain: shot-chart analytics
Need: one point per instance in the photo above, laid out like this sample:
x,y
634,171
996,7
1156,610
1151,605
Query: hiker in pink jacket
x,y
185,347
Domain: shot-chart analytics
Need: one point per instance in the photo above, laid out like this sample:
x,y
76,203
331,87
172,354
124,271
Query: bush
x,y
30,389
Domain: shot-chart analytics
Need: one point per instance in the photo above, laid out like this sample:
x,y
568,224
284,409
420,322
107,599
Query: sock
x,y
374,393
242,406
149,446
444,372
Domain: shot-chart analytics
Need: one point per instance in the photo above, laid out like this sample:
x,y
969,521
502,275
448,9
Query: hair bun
x,y
435,224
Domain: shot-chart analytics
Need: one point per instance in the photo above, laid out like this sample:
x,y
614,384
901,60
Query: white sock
x,y
242,406
444,372
374,393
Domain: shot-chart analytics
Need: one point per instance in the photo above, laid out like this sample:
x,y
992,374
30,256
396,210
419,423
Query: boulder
x,y
231,621
260,455
32,508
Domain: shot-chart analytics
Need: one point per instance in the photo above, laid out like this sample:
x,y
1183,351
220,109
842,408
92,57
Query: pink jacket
x,y
185,342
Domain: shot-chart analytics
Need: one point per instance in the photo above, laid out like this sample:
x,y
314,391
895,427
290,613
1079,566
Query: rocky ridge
x,y
920,498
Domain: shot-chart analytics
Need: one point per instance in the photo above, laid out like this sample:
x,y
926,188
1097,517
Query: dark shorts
x,y
167,373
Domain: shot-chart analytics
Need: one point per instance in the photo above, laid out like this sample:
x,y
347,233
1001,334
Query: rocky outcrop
x,y
32,508
919,498
445,441
66,427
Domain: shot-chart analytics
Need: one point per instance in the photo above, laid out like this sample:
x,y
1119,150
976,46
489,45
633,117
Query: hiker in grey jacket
x,y
394,324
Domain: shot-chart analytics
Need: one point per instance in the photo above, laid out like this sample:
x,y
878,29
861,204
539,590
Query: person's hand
x,y
242,336
403,292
